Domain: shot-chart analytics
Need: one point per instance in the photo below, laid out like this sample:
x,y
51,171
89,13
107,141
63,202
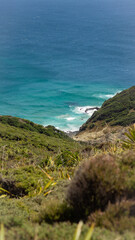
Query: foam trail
x,y
71,128
66,117
70,118
106,96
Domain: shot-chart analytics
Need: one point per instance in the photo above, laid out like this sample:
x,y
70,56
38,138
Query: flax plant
x,y
2,232
79,230
130,142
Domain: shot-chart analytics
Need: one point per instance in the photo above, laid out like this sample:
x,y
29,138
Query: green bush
x,y
56,211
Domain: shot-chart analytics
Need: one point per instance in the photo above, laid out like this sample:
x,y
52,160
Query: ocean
x,y
60,57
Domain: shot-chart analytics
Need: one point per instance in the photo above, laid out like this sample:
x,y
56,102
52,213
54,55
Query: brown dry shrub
x,y
127,166
117,217
97,182
127,159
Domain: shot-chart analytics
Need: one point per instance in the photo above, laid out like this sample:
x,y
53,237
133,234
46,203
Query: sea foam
x,y
106,96
66,117
89,110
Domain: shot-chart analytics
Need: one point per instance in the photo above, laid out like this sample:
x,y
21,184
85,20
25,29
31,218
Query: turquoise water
x,y
57,57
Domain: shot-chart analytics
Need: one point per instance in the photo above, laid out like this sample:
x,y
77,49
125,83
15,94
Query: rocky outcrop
x,y
92,108
101,137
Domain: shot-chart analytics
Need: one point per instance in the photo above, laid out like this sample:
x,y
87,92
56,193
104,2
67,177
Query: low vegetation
x,y
52,187
117,217
96,182
130,142
118,110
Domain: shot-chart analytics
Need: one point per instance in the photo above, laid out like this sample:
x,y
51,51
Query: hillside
x,y
49,182
22,141
116,111
30,126
110,122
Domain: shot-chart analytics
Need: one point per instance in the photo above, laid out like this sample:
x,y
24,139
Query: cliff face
x,y
107,123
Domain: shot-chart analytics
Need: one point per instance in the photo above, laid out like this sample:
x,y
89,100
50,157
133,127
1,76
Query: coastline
x,y
73,120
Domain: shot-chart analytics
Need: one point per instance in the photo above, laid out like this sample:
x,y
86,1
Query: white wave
x,y
66,117
106,96
70,118
68,128
62,116
85,110
71,128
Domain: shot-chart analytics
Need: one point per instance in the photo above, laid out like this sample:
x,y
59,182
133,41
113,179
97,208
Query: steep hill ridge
x,y
33,127
111,121
118,110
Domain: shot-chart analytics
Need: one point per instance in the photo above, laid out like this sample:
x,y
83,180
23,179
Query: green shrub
x,y
96,182
56,211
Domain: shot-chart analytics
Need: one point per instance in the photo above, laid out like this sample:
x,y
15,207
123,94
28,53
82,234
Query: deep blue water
x,y
59,56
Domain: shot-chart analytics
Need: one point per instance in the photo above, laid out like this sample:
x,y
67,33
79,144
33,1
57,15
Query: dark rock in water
x,y
93,108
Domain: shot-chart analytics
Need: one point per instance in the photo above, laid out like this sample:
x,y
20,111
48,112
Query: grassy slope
x,y
119,110
22,144
28,125
36,168
25,149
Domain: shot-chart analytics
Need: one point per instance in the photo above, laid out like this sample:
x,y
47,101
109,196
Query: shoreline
x,y
72,134
83,110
